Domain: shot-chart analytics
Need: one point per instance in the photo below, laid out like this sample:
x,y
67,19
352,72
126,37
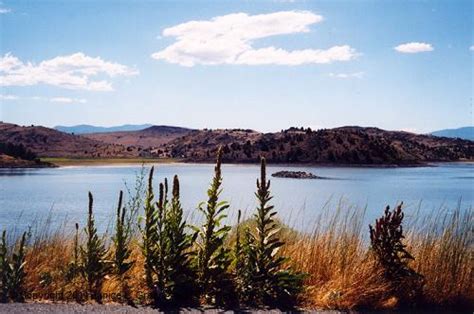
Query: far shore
x,y
63,162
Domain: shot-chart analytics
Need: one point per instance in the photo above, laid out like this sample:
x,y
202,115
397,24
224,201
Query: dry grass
x,y
341,272
444,256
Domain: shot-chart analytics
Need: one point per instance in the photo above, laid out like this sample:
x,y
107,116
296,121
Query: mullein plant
x,y
212,258
178,278
386,239
167,248
18,274
94,263
265,280
74,266
4,269
159,267
149,238
12,270
121,239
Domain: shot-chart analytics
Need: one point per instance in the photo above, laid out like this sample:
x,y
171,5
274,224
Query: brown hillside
x,y
150,137
345,145
46,142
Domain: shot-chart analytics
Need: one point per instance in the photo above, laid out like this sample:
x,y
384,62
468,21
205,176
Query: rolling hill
x,y
46,142
345,145
153,136
349,145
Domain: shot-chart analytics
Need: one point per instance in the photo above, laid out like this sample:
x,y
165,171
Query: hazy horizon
x,y
266,131
258,65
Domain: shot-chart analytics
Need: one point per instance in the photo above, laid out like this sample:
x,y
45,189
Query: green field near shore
x,y
60,161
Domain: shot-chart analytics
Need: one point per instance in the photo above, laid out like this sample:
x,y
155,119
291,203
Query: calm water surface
x,y
29,195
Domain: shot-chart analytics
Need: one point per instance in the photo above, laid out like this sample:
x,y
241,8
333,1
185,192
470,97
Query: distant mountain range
x,y
86,129
351,145
466,133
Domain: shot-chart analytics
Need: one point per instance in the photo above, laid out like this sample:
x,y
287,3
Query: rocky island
x,y
296,175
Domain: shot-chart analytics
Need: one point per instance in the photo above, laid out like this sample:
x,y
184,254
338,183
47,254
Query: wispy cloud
x,y
228,39
357,75
414,47
52,99
8,97
4,10
76,71
68,100
471,48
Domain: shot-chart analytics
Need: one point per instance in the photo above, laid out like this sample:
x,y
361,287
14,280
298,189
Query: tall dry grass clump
x,y
445,257
341,274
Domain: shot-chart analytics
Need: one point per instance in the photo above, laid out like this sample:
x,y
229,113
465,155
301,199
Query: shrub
x,y
391,254
212,258
266,280
135,197
95,265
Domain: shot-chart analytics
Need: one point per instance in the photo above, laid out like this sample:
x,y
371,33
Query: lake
x,y
27,195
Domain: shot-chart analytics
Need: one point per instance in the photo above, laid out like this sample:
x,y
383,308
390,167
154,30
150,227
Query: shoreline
x,y
60,162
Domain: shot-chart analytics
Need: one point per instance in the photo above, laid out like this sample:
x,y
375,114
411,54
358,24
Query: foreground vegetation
x,y
164,261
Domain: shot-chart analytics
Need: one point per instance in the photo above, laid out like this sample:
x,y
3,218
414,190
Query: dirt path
x,y
21,308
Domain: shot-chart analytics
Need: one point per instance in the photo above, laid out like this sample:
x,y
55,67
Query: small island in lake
x,y
296,175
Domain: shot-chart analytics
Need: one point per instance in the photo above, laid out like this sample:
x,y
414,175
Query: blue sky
x,y
265,65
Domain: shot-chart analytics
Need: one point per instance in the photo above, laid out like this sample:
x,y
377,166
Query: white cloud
x,y
76,71
8,97
53,99
228,39
357,75
414,47
471,48
68,100
5,10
